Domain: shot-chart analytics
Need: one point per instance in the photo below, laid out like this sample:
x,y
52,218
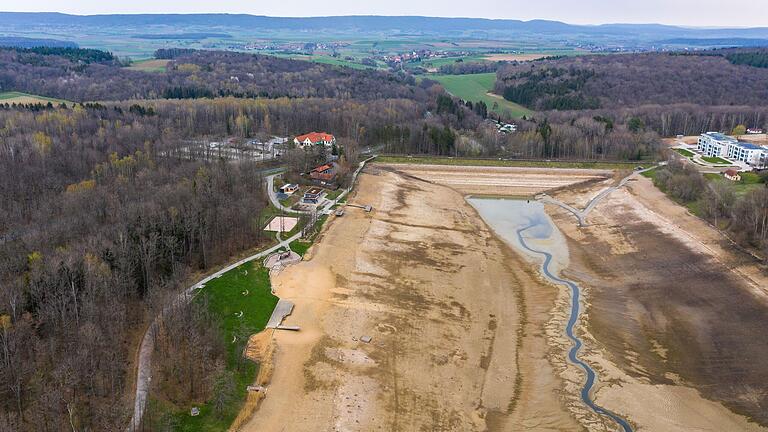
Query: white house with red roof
x,y
315,138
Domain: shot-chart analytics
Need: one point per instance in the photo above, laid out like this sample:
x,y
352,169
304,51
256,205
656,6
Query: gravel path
x,y
581,215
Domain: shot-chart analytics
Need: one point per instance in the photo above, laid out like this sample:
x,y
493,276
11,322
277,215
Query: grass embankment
x,y
437,160
247,290
692,206
301,246
475,88
684,152
749,181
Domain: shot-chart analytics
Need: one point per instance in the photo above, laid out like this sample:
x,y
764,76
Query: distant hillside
x,y
717,42
710,78
413,25
88,75
23,42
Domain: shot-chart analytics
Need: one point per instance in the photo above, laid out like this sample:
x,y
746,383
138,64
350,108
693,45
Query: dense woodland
x,y
195,74
634,80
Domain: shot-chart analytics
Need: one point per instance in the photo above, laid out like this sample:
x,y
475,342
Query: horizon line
x,y
698,27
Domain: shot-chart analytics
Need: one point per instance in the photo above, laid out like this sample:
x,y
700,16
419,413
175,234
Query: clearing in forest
x,y
149,65
478,87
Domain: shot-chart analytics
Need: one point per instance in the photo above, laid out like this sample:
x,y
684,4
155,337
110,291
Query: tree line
x,y
633,80
743,216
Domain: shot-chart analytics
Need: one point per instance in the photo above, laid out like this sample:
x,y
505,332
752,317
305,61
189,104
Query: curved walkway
x,y
581,215
144,365
326,208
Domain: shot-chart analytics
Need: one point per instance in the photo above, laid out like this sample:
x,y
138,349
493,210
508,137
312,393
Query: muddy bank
x,y
680,328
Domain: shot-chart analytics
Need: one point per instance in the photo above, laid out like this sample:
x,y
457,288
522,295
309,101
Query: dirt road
x,y
457,321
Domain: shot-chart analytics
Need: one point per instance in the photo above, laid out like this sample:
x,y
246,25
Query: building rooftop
x,y
749,146
315,137
720,137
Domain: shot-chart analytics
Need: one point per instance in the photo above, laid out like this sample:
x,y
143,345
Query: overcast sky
x,y
719,13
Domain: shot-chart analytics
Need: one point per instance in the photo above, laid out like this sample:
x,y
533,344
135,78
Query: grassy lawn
x,y
25,98
475,88
300,246
716,160
684,152
226,300
510,163
332,195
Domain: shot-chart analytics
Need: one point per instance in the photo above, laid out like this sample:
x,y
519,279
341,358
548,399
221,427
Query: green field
x,y
436,160
226,299
475,88
25,98
149,65
325,59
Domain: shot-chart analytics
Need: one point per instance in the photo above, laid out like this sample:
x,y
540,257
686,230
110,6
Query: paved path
x,y
581,215
144,367
144,364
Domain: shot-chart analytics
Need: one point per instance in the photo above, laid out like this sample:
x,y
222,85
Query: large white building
x,y
752,154
715,144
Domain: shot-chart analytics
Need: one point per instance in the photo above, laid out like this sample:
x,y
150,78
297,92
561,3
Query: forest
x,y
705,78
60,73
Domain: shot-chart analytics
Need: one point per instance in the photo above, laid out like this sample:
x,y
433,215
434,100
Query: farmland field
x,y
324,59
477,87
24,98
149,65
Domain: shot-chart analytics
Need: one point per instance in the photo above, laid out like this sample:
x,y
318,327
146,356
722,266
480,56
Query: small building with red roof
x,y
315,138
732,175
324,173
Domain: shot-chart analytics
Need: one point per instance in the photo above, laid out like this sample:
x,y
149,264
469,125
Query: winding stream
x,y
529,224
